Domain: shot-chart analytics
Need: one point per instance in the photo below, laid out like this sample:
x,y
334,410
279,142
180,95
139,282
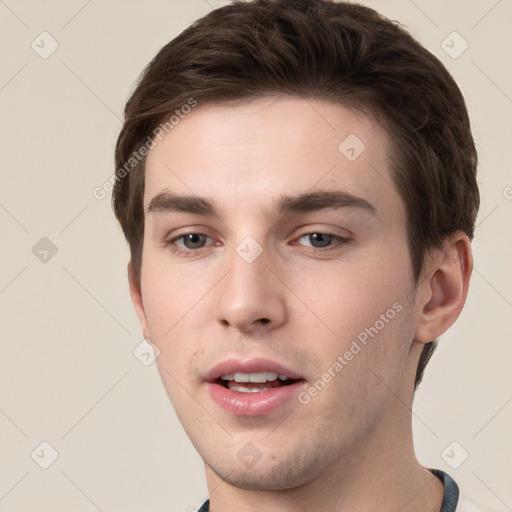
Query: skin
x,y
299,304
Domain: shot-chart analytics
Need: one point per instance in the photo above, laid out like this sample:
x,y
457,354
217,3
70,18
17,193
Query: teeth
x,y
242,389
259,377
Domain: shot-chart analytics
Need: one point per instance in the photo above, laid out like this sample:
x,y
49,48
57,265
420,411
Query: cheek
x,y
365,330
178,306
344,301
363,367
166,316
172,295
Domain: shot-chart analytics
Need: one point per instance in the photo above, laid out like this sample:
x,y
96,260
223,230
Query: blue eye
x,y
192,242
319,239
323,240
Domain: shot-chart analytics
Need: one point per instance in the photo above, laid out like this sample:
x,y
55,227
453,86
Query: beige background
x,y
68,375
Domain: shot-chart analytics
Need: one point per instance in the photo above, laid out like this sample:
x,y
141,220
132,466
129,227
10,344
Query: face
x,y
278,291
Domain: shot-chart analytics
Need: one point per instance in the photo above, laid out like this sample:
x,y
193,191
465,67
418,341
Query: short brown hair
x,y
342,52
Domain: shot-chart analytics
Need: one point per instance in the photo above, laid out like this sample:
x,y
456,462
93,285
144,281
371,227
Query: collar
x,y
450,497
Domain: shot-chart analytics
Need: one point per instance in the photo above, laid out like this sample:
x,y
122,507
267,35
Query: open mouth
x,y
254,382
253,387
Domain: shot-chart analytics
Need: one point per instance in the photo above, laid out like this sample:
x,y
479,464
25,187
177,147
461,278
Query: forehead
x,y
248,155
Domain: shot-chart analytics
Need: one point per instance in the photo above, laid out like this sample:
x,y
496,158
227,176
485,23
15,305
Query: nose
x,y
251,297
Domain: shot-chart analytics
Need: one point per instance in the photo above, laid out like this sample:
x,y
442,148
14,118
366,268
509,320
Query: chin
x,y
292,471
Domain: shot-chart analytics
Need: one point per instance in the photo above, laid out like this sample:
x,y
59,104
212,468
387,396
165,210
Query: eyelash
x,y
189,252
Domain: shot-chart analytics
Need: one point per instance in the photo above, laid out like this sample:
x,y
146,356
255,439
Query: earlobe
x,y
445,287
136,296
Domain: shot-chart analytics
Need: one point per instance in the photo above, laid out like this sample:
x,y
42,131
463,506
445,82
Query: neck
x,y
381,473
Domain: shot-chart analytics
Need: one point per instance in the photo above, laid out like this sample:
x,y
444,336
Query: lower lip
x,y
259,403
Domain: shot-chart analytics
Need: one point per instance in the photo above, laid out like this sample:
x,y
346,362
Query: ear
x,y
135,294
444,287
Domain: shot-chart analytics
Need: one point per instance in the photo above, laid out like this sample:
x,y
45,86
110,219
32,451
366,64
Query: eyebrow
x,y
166,201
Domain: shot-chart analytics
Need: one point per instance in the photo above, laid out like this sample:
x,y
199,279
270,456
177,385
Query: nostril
x,y
264,320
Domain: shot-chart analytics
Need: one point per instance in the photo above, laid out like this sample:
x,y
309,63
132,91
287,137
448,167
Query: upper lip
x,y
249,366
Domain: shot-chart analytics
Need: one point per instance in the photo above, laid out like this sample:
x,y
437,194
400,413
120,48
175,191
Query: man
x,y
297,183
